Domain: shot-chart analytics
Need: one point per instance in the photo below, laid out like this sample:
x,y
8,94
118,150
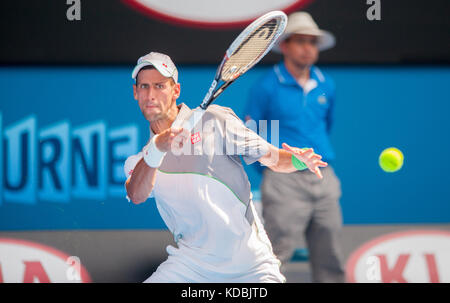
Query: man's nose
x,y
150,93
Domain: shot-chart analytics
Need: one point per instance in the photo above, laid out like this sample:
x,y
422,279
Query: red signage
x,y
416,256
213,13
29,262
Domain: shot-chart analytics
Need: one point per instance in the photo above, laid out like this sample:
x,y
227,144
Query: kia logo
x,y
416,256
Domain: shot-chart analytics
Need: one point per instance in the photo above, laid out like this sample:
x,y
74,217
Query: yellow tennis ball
x,y
391,159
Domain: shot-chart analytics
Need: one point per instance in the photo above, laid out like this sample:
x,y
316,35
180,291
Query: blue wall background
x,y
377,107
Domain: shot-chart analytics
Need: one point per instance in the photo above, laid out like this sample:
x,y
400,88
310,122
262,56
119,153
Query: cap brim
x,y
326,40
146,63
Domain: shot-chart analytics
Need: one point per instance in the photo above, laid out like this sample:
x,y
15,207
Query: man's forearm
x,y
141,183
278,160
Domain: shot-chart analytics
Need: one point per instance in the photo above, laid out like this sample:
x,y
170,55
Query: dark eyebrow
x,y
154,83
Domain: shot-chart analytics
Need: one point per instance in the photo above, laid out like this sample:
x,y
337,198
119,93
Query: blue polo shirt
x,y
305,115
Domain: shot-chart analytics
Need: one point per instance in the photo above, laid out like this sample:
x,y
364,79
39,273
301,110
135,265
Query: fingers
x,y
307,155
305,152
318,173
180,137
315,158
175,130
296,150
315,167
172,138
322,164
287,147
179,132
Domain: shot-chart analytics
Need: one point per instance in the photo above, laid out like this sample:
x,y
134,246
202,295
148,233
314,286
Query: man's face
x,y
156,94
301,49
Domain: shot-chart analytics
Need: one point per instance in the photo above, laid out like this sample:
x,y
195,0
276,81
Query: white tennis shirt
x,y
204,197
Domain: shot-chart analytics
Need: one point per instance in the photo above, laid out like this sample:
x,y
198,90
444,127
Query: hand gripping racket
x,y
252,44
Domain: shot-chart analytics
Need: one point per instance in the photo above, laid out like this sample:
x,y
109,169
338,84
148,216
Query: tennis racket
x,y
252,44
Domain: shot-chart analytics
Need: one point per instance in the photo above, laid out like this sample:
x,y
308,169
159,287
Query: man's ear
x,y
177,89
134,92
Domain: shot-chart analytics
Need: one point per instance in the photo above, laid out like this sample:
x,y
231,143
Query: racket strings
x,y
250,51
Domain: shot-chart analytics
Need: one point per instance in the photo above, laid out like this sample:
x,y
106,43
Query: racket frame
x,y
215,89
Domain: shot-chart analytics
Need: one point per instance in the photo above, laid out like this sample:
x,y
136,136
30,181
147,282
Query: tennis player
x,y
201,189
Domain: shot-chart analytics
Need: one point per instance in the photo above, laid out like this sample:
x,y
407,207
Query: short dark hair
x,y
144,68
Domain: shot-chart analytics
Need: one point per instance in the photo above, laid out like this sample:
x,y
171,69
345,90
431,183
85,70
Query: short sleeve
x,y
242,141
130,164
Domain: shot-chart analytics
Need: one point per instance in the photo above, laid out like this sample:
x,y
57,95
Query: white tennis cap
x,y
161,62
303,23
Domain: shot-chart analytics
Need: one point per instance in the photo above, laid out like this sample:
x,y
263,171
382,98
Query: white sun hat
x,y
161,62
303,23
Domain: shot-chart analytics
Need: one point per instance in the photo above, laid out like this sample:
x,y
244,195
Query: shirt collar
x,y
286,78
283,75
183,113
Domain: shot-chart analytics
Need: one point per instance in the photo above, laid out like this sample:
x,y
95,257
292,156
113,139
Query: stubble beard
x,y
159,115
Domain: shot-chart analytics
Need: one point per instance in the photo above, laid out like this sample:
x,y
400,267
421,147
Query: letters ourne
x,y
60,162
